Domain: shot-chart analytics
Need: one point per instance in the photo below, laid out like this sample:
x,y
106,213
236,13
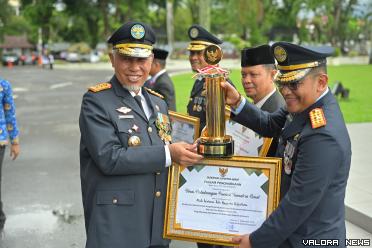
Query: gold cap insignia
x,y
137,31
291,76
134,141
194,32
100,87
317,118
280,54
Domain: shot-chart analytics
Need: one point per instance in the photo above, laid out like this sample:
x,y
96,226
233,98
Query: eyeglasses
x,y
293,86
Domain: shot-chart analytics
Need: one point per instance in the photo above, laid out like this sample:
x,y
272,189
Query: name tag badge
x,y
126,116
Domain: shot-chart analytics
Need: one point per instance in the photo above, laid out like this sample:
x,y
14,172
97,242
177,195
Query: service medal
x,y
164,127
199,108
134,141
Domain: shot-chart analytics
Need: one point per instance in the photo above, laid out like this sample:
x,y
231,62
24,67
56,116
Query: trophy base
x,y
222,149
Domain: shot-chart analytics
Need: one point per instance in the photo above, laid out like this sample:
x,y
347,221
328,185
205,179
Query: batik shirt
x,y
8,123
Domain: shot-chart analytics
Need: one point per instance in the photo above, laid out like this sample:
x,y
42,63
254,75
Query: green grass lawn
x,y
358,78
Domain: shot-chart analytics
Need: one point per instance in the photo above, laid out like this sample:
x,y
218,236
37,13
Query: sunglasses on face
x,y
293,86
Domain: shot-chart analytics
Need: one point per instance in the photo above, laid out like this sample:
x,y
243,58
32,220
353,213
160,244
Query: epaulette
x,y
154,93
100,87
317,118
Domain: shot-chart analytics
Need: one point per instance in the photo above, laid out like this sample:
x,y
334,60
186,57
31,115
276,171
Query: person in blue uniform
x,y
125,149
258,71
314,145
160,80
8,132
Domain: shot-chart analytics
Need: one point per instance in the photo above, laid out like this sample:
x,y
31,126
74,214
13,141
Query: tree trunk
x,y
336,23
205,14
103,8
170,28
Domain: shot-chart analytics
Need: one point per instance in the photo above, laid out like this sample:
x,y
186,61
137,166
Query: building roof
x,y
16,42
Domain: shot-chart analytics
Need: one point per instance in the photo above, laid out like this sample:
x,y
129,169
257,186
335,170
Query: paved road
x,y
41,189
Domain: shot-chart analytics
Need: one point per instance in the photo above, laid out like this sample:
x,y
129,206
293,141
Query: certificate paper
x,y
221,199
246,141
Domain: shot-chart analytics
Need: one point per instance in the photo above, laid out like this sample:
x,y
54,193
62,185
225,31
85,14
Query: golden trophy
x,y
213,141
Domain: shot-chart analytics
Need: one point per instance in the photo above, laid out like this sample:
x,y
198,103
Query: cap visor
x,y
286,77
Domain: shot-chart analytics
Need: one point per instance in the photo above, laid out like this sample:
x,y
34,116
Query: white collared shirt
x,y
322,95
144,103
263,100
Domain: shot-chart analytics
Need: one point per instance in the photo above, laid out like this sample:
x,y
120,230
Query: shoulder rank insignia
x,y
317,118
100,87
154,93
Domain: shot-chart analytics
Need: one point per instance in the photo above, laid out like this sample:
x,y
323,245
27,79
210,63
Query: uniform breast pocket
x,y
125,130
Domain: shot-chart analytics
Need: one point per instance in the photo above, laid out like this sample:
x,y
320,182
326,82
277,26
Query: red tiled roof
x,y
16,42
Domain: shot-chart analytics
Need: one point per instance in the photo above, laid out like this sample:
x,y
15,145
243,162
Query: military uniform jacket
x,y
316,163
164,85
123,188
272,104
197,103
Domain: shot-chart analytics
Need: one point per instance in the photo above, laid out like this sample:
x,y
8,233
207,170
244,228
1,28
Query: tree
x,y
170,28
6,13
39,13
86,12
205,14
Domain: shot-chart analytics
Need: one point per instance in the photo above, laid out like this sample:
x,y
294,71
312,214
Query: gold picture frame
x,y
193,189
184,119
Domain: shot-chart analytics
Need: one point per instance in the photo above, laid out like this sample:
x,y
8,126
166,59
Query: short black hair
x,y
161,62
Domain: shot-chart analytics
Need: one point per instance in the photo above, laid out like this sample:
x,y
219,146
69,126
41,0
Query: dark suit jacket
x,y
312,204
119,183
272,104
165,87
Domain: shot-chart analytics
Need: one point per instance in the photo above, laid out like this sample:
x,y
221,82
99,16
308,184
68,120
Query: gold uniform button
x,y
158,194
114,200
149,129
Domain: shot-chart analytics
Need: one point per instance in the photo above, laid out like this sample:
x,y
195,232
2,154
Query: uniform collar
x,y
299,120
260,103
126,97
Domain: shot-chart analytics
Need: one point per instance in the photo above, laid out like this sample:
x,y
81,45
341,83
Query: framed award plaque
x,y
221,198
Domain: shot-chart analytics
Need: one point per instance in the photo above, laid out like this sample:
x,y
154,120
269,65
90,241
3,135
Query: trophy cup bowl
x,y
214,142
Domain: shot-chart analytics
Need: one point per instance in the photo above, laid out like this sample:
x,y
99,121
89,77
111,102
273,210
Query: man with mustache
x,y
258,71
125,149
314,145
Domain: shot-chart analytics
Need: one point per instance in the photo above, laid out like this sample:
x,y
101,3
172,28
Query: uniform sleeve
x,y
165,89
10,115
98,135
264,123
313,174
